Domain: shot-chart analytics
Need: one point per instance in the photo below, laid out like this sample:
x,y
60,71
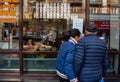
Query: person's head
x,y
53,28
91,29
74,33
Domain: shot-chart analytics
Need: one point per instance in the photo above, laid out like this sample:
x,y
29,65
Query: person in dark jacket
x,y
64,64
90,59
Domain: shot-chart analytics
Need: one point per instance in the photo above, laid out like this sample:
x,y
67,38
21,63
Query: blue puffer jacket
x,y
90,59
64,64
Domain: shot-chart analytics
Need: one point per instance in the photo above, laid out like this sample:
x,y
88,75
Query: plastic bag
x,y
102,80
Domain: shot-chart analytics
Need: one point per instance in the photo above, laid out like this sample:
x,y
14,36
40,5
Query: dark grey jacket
x,y
90,59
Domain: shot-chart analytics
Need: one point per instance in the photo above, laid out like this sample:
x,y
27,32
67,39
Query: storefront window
x,y
37,28
9,31
115,31
105,14
44,22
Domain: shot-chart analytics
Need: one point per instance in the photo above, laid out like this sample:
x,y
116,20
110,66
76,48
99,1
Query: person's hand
x,y
102,78
76,79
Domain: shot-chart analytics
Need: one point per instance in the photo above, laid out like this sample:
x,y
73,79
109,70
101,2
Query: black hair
x,y
71,33
66,36
91,28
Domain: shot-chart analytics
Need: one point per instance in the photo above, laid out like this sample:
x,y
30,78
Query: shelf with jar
x,y
77,9
51,9
57,10
98,3
115,10
100,10
104,10
114,3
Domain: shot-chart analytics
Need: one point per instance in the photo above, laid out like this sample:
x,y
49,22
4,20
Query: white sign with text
x,y
78,23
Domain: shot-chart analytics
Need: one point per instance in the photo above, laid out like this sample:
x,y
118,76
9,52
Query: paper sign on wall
x,y
78,23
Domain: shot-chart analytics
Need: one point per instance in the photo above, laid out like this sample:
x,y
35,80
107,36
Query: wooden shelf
x,y
75,3
95,4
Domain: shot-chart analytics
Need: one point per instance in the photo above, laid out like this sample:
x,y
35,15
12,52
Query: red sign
x,y
101,24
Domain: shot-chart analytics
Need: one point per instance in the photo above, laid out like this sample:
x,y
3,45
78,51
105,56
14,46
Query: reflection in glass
x,y
9,63
111,63
39,63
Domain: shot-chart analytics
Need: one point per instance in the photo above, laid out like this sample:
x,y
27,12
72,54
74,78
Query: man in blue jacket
x,y
90,59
